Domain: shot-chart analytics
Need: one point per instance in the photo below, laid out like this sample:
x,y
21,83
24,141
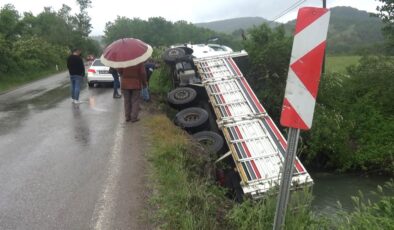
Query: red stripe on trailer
x,y
306,16
223,101
276,132
306,75
246,84
251,93
298,166
283,142
258,175
227,63
210,72
235,67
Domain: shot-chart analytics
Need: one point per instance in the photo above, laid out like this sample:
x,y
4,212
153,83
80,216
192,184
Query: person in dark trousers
x,y
76,69
115,75
133,80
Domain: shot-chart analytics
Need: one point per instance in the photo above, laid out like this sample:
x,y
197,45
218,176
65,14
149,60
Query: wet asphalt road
x,y
64,166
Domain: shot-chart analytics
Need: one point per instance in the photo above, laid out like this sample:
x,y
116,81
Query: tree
x,y
9,22
269,51
159,32
83,25
38,43
386,13
353,121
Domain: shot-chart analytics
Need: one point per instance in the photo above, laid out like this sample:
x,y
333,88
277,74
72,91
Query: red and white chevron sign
x,y
305,67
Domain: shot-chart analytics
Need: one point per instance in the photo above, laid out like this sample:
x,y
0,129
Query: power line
x,y
288,10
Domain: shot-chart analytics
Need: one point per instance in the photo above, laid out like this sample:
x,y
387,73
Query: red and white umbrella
x,y
126,52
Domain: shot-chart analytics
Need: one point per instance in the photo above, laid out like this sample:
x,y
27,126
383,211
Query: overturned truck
x,y
219,108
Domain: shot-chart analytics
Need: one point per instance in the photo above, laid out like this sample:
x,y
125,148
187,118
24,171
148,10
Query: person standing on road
x,y
133,79
115,75
76,69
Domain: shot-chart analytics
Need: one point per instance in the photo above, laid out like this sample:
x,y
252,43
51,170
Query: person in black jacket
x,y
76,69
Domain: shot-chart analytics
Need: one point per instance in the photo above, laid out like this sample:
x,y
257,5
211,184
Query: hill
x,y
230,25
350,29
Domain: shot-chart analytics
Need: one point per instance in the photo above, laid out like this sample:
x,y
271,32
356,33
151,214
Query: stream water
x,y
330,188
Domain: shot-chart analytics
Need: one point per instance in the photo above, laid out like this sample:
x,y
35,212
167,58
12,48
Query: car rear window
x,y
97,63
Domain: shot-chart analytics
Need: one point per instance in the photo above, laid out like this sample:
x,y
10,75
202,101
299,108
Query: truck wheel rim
x,y
192,117
181,95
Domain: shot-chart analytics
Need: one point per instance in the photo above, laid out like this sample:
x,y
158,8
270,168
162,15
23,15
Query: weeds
x,y
184,199
368,215
260,214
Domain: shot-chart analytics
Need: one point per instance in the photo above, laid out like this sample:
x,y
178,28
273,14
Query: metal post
x,y
287,174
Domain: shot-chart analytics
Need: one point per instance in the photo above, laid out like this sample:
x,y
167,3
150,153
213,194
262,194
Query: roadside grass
x,y
340,63
185,194
159,82
15,80
260,214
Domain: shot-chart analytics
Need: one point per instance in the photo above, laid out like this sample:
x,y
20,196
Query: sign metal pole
x,y
287,174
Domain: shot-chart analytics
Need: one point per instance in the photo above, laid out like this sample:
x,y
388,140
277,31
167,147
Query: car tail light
x,y
91,71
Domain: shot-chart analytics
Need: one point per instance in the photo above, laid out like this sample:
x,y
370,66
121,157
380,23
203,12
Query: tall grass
x,y
368,215
186,197
260,214
160,82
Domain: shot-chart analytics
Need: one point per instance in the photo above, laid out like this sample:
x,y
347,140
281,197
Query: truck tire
x,y
173,54
192,119
211,141
182,97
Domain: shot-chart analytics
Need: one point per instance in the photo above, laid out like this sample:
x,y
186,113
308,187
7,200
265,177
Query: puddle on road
x,y
12,113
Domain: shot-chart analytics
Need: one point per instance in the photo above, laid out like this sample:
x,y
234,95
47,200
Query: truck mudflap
x,y
256,144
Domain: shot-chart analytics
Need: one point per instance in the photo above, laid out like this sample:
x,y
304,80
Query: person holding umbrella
x,y
133,80
127,56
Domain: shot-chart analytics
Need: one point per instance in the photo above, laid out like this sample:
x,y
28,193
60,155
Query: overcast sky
x,y
194,11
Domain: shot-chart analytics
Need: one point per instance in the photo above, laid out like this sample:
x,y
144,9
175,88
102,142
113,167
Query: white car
x,y
99,73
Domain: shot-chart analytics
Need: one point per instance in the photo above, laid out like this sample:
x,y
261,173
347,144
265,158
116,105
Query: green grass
x,y
340,63
159,82
186,197
11,81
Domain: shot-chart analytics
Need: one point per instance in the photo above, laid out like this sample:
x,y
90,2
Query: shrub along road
x,y
65,166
